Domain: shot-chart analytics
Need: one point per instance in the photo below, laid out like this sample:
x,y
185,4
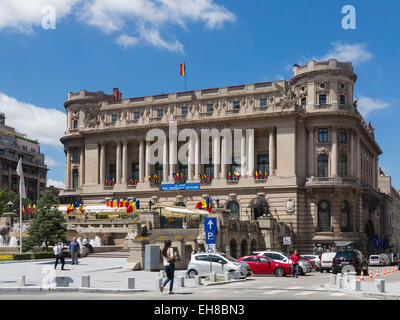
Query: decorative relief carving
x,y
92,117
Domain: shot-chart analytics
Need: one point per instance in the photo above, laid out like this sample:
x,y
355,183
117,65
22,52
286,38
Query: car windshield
x,y
285,255
346,254
230,258
374,258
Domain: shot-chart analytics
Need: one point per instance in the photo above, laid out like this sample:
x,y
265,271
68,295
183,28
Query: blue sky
x,y
137,46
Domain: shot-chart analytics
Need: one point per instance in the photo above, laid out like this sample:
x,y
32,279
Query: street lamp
x,y
150,203
217,201
10,204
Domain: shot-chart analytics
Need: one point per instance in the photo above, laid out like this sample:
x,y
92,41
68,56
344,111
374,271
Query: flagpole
x,y
20,221
185,76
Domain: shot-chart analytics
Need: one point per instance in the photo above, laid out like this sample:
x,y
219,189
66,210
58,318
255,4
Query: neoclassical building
x,y
316,159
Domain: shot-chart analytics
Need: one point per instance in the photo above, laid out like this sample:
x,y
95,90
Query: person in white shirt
x,y
169,265
58,252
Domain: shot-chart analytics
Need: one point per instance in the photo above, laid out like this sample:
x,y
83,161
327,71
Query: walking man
x,y
295,263
74,249
58,252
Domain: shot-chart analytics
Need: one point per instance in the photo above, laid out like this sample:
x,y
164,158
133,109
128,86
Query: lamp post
x,y
217,201
150,204
9,203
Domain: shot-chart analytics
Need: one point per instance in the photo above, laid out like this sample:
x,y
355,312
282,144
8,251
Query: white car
x,y
326,261
284,258
199,264
316,259
385,259
375,260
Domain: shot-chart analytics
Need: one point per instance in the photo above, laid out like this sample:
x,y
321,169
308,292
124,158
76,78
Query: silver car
x,y
199,264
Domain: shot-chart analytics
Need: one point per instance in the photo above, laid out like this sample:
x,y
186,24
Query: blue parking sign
x,y
210,237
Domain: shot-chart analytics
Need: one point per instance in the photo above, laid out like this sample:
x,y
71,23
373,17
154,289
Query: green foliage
x,y
42,255
5,197
24,256
48,225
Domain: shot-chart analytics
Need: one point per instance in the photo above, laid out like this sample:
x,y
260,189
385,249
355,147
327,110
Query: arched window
x,y
322,165
234,209
343,166
324,216
345,217
233,248
243,248
75,177
253,245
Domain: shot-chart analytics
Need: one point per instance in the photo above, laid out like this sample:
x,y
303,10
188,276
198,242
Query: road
x,y
259,288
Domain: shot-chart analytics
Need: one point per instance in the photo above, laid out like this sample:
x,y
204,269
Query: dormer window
x,y
342,99
236,105
210,107
322,99
184,110
136,115
160,113
114,118
75,124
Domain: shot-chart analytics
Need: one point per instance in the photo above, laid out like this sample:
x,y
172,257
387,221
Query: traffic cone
x,y
370,274
384,271
392,270
396,269
362,276
377,273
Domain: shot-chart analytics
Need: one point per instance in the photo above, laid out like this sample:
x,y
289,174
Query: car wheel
x,y
279,272
334,272
192,274
322,271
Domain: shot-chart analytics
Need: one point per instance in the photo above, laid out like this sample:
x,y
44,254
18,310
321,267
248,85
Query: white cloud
x,y
55,183
355,53
367,105
51,162
24,15
126,41
46,125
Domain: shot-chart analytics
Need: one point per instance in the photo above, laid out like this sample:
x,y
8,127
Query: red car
x,y
263,265
312,264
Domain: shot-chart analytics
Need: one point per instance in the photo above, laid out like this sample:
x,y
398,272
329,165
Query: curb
x,y
68,289
224,282
365,294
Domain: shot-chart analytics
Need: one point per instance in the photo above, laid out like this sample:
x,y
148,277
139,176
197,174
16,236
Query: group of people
x,y
74,250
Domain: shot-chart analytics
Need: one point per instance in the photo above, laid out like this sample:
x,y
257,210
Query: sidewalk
x,y
369,289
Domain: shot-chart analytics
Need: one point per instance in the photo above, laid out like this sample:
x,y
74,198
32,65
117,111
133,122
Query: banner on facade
x,y
180,186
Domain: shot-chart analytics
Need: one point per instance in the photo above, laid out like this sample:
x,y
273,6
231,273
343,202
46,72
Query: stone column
x,y
216,155
102,163
334,153
165,159
82,166
196,158
118,163
223,158
250,152
311,150
243,161
358,158
141,160
124,179
68,169
148,168
172,158
190,158
350,155
271,151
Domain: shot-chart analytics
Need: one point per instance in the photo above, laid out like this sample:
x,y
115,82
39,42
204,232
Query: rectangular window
x,y
75,124
322,99
75,154
323,135
4,180
1,151
160,113
24,148
5,165
263,102
210,107
262,165
303,101
236,105
42,174
33,150
114,118
342,136
13,180
135,171
136,115
184,110
209,169
342,99
158,170
112,171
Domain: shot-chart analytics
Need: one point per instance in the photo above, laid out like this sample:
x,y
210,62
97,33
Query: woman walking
x,y
169,265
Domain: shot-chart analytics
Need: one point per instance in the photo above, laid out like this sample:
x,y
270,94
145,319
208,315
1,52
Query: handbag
x,y
170,259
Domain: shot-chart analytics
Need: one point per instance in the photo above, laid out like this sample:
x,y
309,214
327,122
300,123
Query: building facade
x,y
316,159
14,145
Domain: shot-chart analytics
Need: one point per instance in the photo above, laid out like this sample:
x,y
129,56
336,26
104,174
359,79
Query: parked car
x,y
316,259
385,258
349,257
284,258
264,265
326,261
199,264
312,264
375,260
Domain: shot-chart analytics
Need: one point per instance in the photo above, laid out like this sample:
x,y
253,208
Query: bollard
x,y
162,274
333,280
380,285
339,282
226,276
180,280
355,285
213,277
23,281
158,283
197,280
345,279
85,281
131,283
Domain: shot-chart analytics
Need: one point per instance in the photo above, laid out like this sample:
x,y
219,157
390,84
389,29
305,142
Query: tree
x,y
48,225
5,197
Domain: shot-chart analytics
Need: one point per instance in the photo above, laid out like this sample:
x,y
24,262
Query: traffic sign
x,y
286,240
210,224
210,237
210,248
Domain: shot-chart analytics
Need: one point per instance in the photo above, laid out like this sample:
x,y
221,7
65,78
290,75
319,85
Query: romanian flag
x,y
266,174
229,176
82,207
29,209
115,203
182,69
256,174
23,210
34,207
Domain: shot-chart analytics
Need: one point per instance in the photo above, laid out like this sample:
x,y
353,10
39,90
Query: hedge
x,y
23,256
42,255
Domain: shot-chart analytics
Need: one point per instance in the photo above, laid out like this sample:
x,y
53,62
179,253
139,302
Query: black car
x,y
349,258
